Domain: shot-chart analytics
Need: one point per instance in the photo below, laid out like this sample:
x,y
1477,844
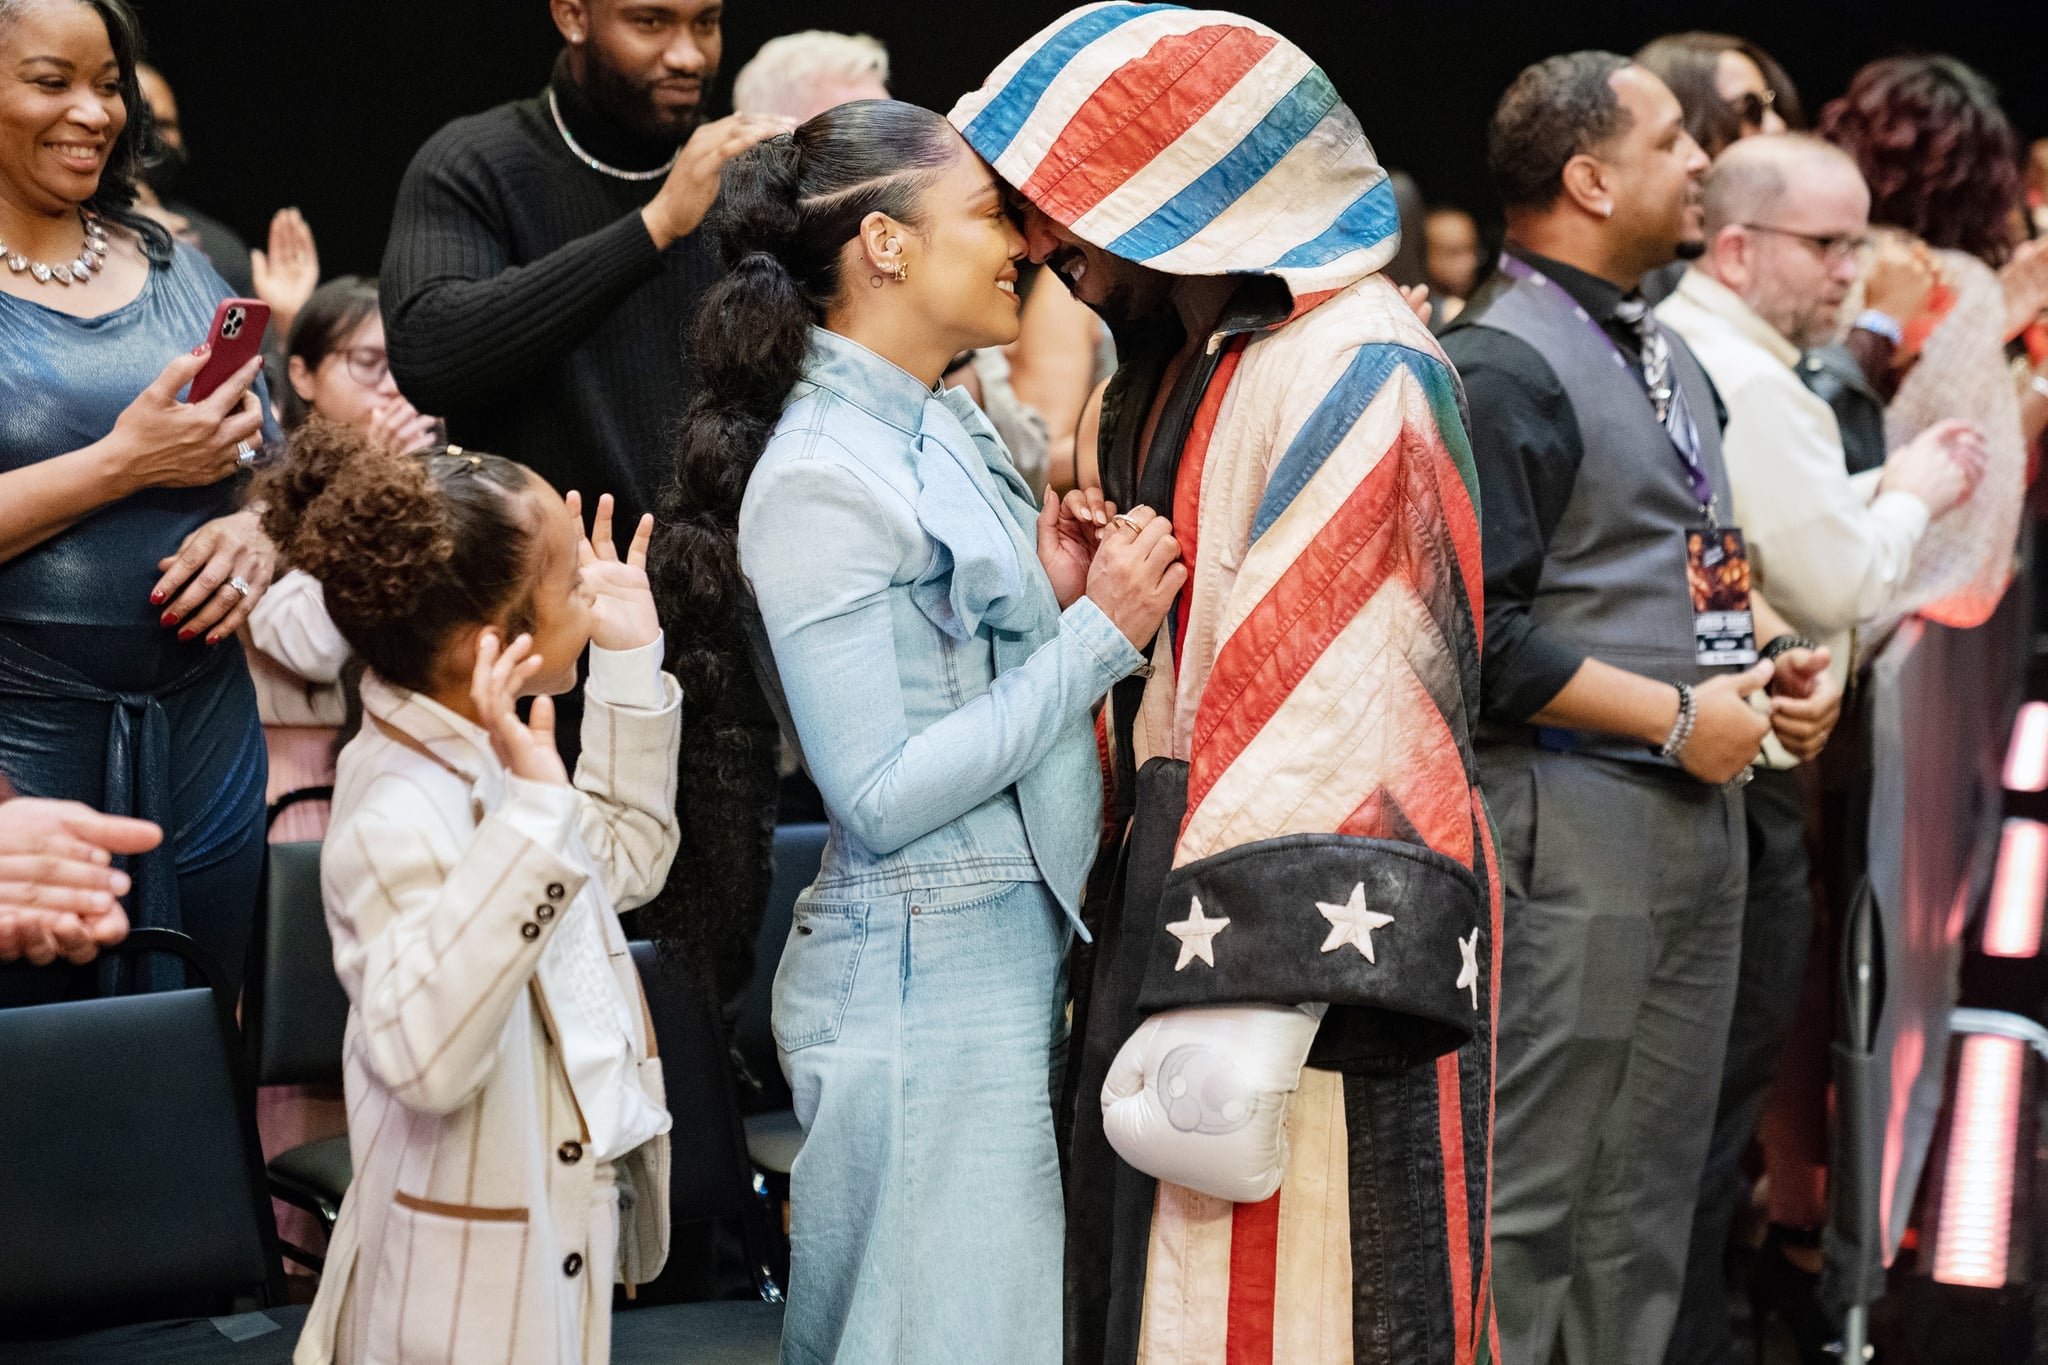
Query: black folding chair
x,y
135,1192
295,1013
773,1137
709,1181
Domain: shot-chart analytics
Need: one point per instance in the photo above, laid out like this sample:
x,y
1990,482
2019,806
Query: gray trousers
x,y
1622,932
1776,924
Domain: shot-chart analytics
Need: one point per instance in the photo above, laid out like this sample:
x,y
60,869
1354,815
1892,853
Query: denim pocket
x,y
815,978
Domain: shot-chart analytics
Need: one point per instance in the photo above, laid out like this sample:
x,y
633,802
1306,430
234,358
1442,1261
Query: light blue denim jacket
x,y
941,699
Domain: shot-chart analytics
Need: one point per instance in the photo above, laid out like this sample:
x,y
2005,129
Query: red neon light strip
x,y
1976,1197
2012,927
2026,761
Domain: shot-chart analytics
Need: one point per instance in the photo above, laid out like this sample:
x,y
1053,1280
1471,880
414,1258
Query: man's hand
x,y
1199,1096
1941,466
1727,732
58,891
1806,702
692,184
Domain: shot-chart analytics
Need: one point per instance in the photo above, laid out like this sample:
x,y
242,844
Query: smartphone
x,y
236,337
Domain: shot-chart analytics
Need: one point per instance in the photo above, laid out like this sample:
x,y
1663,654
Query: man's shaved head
x,y
1749,181
1785,218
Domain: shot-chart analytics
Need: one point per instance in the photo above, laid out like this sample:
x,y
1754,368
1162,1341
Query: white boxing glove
x,y
1199,1096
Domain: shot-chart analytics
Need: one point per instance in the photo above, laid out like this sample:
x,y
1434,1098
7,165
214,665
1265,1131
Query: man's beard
x,y
1805,325
1692,250
631,101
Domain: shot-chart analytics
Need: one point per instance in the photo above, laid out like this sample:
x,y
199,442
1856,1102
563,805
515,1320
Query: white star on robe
x,y
1197,935
1352,923
1468,973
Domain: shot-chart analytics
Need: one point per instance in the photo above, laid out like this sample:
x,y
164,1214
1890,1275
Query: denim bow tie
x,y
962,475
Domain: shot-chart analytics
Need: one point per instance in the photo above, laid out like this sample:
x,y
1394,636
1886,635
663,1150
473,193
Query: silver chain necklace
x,y
555,108
79,270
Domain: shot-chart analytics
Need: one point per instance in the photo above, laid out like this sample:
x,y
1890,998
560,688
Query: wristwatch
x,y
1881,323
1785,644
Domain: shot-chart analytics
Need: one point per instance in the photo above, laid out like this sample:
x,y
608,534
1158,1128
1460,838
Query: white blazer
x,y
478,1226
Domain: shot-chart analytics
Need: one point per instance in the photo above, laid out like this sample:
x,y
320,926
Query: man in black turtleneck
x,y
542,267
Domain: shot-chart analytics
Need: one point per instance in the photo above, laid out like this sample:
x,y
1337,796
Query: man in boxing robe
x,y
1280,1093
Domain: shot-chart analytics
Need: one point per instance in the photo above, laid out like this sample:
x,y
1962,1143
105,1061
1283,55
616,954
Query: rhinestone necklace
x,y
555,108
91,258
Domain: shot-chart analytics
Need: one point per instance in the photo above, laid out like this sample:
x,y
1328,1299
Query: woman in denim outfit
x,y
937,644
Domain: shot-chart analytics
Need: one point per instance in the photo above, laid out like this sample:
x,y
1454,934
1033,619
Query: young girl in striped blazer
x,y
505,1103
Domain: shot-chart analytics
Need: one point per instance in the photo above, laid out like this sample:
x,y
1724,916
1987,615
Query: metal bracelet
x,y
1785,644
1681,729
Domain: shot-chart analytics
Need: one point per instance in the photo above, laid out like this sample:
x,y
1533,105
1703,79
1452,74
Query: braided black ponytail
x,y
786,210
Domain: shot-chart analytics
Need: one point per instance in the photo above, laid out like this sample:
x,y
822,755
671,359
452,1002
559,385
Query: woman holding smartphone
x,y
938,643
125,564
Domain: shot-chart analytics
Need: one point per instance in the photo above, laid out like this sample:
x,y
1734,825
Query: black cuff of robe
x,y
1424,916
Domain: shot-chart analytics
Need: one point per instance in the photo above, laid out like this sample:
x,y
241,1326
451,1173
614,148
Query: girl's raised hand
x,y
526,748
622,612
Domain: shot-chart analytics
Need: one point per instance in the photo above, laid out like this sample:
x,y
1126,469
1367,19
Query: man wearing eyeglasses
x,y
1786,220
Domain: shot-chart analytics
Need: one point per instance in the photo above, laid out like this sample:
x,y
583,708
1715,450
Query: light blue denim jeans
x,y
919,1032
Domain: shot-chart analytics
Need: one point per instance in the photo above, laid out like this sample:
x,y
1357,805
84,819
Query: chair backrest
x,y
710,1176
799,849
134,1186
294,1008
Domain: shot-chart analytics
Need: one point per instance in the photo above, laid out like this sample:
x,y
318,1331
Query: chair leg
x,y
323,1211
767,1250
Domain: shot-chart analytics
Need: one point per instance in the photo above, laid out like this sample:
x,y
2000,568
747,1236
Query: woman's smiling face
x,y
61,107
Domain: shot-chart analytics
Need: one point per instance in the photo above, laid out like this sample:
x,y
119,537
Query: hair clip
x,y
455,450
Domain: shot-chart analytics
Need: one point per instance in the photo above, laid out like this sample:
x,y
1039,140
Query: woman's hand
x,y
1416,296
622,614
1068,531
1137,573
163,443
1898,279
59,894
398,427
218,574
2025,282
526,748
286,276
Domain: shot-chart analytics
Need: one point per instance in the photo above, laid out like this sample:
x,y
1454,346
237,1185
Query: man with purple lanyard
x,y
1621,652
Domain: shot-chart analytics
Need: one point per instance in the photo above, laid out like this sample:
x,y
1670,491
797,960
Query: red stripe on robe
x,y
1144,107
1450,1122
1187,483
1281,638
1254,1279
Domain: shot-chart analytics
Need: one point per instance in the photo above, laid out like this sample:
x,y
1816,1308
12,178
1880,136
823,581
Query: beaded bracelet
x,y
1681,729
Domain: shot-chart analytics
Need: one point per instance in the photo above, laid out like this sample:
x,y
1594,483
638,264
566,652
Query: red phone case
x,y
236,335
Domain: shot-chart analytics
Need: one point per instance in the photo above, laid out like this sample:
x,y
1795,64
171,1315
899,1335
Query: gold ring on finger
x,y
1128,522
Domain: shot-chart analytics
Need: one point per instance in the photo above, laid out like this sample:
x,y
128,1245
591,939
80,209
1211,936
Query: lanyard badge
x,y
1717,574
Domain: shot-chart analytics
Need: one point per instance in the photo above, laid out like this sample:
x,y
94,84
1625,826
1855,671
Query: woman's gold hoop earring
x,y
902,272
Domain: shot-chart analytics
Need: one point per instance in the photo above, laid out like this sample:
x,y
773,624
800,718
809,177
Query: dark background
x,y
321,103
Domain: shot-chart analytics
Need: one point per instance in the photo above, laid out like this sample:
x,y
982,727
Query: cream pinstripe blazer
x,y
473,1231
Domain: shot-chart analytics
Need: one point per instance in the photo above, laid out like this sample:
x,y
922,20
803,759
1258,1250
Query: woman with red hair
x,y
1942,164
